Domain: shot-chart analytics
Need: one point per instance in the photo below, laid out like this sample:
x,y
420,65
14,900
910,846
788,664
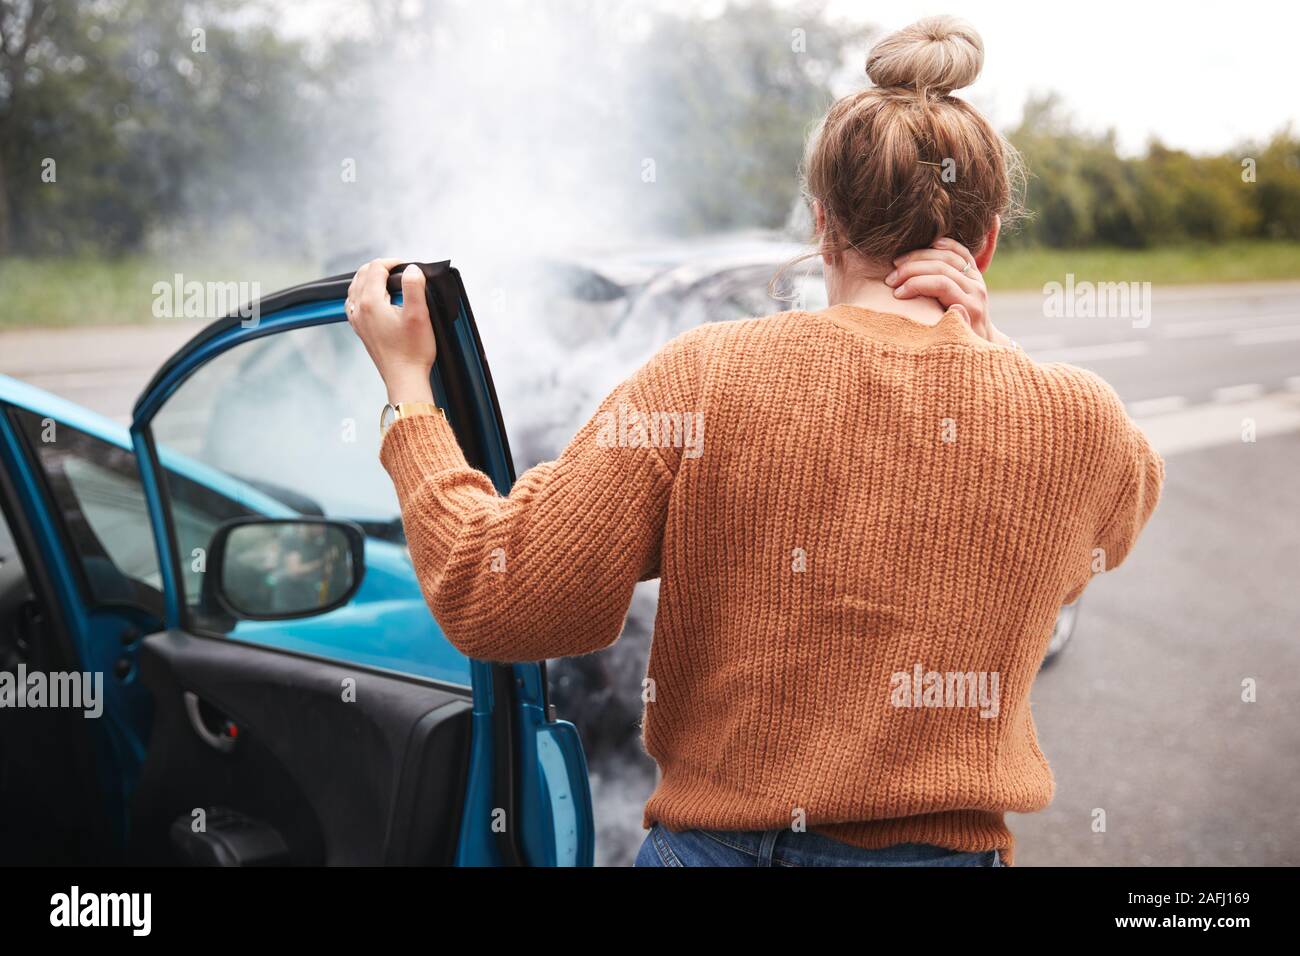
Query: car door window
x,y
95,488
288,424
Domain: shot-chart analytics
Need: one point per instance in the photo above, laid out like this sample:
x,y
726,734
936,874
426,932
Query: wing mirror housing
x,y
276,569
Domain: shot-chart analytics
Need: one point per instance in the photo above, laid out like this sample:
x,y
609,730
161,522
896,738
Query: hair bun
x,y
941,54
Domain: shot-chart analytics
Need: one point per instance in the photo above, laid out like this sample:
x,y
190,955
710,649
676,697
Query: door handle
x,y
223,742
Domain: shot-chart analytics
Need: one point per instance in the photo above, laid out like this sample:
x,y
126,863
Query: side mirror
x,y
268,569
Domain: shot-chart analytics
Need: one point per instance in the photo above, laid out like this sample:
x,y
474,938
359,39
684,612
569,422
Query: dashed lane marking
x,y
1238,393
1222,423
1279,333
1156,406
1094,353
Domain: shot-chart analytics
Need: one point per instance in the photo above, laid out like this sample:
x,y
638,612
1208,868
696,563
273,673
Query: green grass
x,y
55,292
63,292
1241,261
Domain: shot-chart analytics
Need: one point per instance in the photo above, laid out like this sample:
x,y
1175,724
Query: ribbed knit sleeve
x,y
548,570
1134,476
1141,475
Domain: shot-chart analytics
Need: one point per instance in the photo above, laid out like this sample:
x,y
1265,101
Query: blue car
x,y
218,651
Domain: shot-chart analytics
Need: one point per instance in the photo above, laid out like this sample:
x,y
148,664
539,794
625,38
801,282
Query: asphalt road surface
x,y
1142,717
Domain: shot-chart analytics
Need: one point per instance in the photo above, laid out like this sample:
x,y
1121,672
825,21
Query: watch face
x,y
387,417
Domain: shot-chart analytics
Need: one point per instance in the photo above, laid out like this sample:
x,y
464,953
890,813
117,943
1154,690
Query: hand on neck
x,y
866,291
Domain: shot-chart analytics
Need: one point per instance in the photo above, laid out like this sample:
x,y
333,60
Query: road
x,y
1142,718
101,367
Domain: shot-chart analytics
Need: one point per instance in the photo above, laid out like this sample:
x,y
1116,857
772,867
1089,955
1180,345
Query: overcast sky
x,y
1198,75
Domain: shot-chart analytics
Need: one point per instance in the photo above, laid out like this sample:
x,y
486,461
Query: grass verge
x,y
1243,261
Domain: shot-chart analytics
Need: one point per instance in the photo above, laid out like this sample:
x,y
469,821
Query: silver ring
x,y
351,307
966,270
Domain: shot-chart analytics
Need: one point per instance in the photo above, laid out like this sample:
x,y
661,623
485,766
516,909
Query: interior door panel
x,y
50,812
378,779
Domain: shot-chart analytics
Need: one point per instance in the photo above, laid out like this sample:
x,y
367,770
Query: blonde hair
x,y
902,163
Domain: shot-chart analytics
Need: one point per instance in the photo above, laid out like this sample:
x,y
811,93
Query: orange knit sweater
x,y
863,529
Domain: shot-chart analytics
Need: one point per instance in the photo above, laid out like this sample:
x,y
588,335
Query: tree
x,y
118,115
726,101
22,25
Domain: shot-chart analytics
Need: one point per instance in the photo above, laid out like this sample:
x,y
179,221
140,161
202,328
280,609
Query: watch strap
x,y
409,410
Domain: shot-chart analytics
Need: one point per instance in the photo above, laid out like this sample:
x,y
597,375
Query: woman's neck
x,y
873,294
851,280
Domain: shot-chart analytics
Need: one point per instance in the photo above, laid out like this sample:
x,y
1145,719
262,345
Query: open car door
x,y
358,734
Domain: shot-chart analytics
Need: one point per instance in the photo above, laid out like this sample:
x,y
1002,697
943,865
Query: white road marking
x,y
1156,406
1205,426
1095,353
1234,323
1032,343
1238,393
1280,333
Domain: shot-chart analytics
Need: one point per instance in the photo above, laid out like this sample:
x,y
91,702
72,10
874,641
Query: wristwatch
x,y
392,413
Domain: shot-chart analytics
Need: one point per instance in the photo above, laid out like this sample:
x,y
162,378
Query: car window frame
x,y
51,501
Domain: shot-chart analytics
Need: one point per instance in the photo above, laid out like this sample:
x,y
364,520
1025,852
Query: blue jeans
x,y
663,847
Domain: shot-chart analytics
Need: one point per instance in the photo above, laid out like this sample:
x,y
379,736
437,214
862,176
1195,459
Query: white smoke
x,y
497,135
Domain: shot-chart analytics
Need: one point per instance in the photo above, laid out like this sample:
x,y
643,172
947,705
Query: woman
x,y
863,519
